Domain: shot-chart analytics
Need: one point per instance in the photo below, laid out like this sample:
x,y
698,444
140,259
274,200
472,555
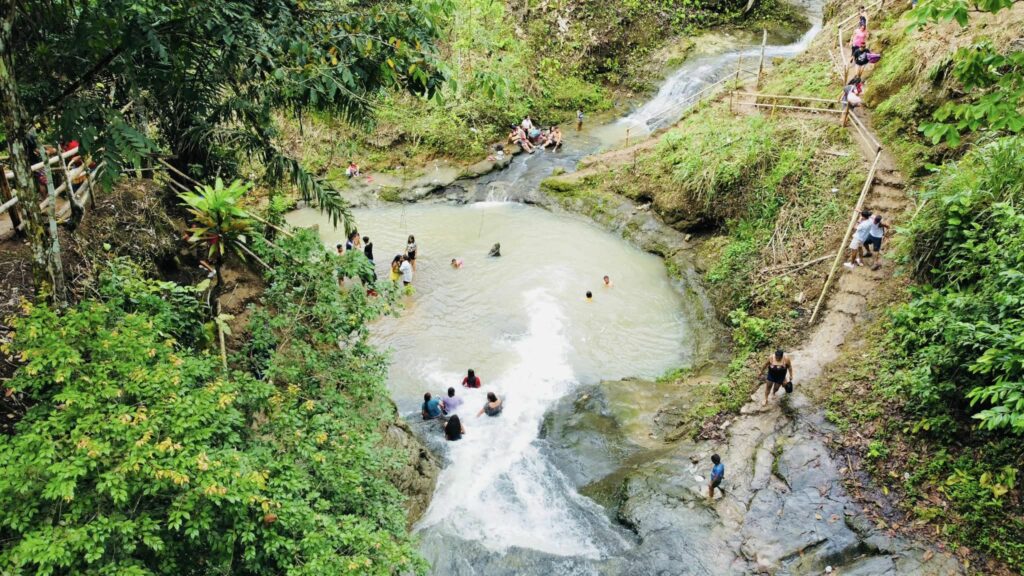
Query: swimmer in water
x,y
453,429
607,282
493,406
590,296
456,263
471,380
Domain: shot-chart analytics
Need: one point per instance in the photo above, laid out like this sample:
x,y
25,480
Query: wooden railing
x,y
827,106
78,184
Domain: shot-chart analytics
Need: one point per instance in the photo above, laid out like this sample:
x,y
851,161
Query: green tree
x,y
993,78
201,81
139,457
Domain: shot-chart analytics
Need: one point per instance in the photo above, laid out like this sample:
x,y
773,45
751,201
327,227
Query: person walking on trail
x,y
876,232
860,237
717,475
775,373
579,120
471,380
862,18
860,38
851,97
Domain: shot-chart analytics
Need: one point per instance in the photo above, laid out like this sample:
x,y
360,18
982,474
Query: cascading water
x,y
503,505
701,71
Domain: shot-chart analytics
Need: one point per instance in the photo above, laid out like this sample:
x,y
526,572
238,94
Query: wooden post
x,y
842,54
53,262
760,66
6,196
732,93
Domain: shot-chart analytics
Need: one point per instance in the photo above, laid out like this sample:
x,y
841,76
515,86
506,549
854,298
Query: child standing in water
x,y
717,475
410,251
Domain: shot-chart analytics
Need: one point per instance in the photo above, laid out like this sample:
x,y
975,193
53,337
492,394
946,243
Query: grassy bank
x,y
504,62
764,195
926,395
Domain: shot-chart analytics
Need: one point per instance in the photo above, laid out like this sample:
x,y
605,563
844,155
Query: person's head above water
x,y
492,397
779,354
426,397
340,247
590,295
716,458
366,239
451,392
411,238
607,280
471,375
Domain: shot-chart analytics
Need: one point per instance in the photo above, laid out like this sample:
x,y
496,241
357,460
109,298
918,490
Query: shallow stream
x,y
504,501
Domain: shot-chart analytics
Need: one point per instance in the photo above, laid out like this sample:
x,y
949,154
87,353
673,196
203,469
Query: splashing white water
x,y
498,488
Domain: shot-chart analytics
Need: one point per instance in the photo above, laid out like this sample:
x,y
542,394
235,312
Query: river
x,y
504,502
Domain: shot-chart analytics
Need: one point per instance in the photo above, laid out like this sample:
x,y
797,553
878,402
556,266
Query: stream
x,y
507,501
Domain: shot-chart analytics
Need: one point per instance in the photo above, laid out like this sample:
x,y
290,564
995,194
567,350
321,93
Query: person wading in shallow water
x,y
774,373
493,406
471,380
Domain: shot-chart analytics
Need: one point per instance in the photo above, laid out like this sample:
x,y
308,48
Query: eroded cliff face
x,y
417,476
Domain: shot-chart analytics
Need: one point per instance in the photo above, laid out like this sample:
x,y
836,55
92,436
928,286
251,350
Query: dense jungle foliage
x,y
504,61
139,455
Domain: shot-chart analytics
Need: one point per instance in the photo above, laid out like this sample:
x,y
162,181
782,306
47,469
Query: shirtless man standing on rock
x,y
774,373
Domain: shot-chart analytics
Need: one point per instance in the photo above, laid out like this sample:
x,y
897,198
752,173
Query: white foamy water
x,y
701,71
523,323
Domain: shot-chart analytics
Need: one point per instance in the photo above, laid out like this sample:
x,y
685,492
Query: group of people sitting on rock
x,y
444,409
530,137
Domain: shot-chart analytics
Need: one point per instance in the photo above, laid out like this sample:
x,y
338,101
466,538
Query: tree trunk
x,y
20,138
53,264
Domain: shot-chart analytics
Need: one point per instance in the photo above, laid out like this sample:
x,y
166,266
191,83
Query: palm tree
x,y
219,222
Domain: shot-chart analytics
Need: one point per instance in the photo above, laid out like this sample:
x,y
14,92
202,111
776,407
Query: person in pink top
x,y
860,37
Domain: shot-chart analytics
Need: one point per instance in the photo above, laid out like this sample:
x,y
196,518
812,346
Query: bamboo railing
x,y
78,194
827,106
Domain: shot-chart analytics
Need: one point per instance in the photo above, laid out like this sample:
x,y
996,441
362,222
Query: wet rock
x,y
586,439
417,476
